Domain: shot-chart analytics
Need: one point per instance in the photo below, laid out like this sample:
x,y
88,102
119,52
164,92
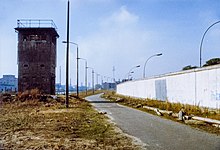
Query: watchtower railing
x,y
35,23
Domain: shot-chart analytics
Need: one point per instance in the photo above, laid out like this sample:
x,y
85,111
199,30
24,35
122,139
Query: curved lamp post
x,y
200,56
132,69
92,78
97,78
130,74
85,73
77,66
159,54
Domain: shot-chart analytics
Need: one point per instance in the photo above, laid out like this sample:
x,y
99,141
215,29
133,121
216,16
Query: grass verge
x,y
32,124
138,103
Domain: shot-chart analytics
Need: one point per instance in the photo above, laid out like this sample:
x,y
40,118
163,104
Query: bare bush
x,y
29,95
35,93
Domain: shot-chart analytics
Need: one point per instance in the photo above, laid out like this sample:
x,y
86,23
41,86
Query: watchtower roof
x,y
34,24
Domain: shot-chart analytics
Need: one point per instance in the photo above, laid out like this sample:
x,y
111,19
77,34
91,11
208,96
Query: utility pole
x,y
97,78
59,89
77,70
102,81
86,76
60,75
93,81
113,70
85,72
70,83
67,58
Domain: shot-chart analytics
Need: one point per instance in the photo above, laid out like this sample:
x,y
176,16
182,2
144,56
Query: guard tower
x,y
36,55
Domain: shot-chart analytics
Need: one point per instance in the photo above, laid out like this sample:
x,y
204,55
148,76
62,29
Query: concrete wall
x,y
197,86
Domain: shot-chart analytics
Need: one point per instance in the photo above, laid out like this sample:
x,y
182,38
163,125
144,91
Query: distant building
x,y
98,86
109,86
60,88
9,83
72,88
36,55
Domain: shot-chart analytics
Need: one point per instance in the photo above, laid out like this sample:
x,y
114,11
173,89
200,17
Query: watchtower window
x,y
25,38
38,38
34,37
42,65
26,65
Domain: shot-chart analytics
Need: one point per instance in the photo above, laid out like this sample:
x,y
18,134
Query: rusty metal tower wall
x,y
36,55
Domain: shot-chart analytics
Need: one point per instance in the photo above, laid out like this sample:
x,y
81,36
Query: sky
x,y
119,33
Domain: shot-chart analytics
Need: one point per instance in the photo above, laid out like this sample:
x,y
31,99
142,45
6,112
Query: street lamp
x,y
77,67
85,73
97,78
200,55
97,81
159,54
110,79
130,74
92,79
132,69
101,79
106,78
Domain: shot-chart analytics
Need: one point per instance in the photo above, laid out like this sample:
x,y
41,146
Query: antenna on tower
x,y
113,70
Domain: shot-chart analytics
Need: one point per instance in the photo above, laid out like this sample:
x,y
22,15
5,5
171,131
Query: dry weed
x,y
165,105
32,124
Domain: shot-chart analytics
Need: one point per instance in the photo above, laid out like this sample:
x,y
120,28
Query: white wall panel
x,y
198,86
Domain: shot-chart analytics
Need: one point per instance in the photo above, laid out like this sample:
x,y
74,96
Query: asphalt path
x,y
155,132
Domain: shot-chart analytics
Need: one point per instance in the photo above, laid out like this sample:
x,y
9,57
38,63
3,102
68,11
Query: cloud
x,y
121,18
119,41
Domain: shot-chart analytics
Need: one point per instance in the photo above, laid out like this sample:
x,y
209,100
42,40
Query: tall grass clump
x,y
164,105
